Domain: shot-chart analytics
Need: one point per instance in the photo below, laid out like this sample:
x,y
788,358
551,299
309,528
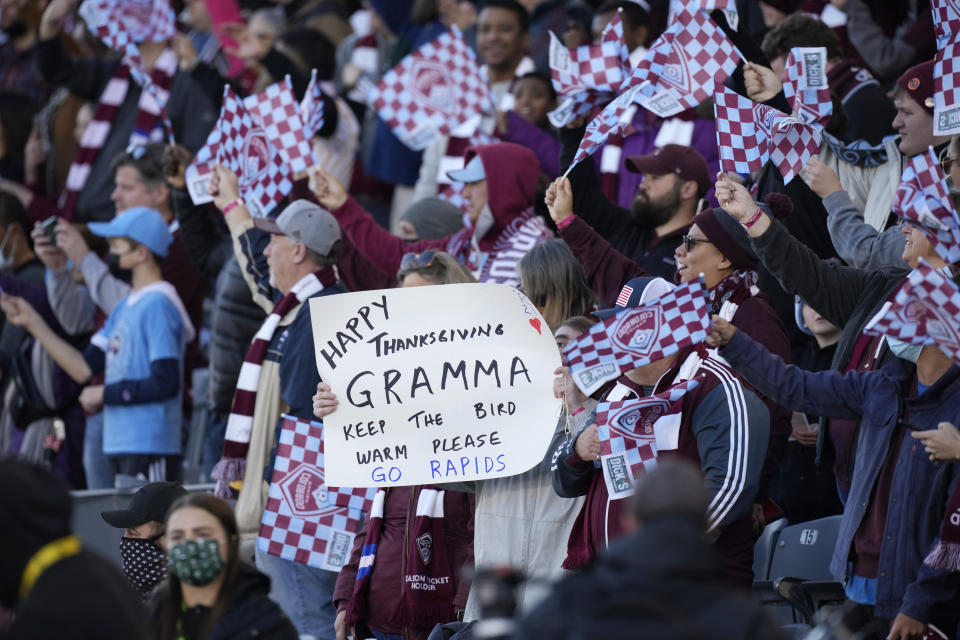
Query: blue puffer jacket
x,y
920,487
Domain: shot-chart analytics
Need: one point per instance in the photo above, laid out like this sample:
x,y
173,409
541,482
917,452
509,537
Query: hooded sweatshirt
x,y
494,253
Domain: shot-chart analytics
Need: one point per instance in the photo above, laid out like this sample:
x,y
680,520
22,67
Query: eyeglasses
x,y
946,162
417,261
690,241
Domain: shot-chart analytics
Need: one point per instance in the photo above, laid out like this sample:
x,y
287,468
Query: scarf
x,y
232,465
428,590
946,554
735,288
500,263
147,127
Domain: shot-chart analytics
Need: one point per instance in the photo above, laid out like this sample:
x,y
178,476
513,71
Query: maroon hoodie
x,y
511,174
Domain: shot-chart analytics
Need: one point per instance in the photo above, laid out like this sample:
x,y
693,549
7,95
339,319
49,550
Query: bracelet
x,y
749,223
227,209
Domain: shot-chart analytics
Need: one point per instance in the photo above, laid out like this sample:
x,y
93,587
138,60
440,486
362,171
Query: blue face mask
x,y
904,350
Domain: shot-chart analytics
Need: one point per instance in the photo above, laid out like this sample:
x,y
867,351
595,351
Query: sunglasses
x,y
689,242
417,261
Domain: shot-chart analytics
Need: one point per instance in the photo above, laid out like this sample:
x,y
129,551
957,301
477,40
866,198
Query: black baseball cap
x,y
150,503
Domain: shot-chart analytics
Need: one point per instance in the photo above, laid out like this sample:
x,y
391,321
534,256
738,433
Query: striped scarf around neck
x,y
147,127
232,465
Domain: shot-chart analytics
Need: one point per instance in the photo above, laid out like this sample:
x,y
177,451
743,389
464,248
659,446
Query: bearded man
x,y
675,179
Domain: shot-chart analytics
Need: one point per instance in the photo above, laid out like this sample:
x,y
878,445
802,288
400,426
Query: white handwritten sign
x,y
435,384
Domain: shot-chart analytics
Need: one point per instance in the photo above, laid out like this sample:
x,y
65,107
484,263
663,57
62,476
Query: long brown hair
x,y
171,594
555,282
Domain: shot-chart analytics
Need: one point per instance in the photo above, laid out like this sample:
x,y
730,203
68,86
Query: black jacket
x,y
250,614
663,582
845,296
616,224
82,597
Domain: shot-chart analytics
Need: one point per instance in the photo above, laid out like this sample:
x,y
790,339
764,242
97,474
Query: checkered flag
x,y
806,87
946,20
302,521
925,310
924,199
628,438
244,148
276,111
750,133
684,65
311,107
639,335
612,120
598,67
433,91
729,8
121,24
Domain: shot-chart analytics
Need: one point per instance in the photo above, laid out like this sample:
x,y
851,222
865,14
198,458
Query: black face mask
x,y
113,264
144,563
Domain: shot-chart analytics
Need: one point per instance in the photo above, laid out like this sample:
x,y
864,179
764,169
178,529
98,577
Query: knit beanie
x,y
917,81
433,218
728,236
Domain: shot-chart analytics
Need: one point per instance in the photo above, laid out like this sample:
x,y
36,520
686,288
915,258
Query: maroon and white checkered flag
x,y
750,133
639,335
277,112
684,65
806,87
612,120
729,8
628,439
599,67
925,311
433,91
923,198
305,520
243,147
946,68
946,20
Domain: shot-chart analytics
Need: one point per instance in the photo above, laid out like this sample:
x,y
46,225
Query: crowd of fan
x,y
129,314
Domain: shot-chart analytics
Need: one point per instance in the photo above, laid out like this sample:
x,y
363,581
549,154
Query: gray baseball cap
x,y
305,222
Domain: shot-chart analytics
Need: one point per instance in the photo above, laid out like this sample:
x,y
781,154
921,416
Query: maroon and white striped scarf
x,y
426,596
946,554
232,465
148,126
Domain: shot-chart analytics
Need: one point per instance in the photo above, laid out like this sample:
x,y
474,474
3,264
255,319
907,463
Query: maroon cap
x,y
917,81
684,161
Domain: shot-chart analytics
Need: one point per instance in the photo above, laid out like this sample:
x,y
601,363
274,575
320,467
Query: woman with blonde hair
x,y
556,283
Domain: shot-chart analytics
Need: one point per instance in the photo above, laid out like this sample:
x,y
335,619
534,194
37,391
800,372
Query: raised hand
x,y
821,179
760,82
224,186
559,199
51,256
19,312
721,332
328,190
734,198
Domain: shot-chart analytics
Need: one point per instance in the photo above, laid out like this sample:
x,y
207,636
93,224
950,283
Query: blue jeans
x,y
380,635
304,593
95,464
213,442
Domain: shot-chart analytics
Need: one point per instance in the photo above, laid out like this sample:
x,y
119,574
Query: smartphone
x,y
49,227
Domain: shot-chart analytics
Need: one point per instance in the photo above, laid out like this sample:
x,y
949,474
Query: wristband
x,y
566,221
227,209
749,223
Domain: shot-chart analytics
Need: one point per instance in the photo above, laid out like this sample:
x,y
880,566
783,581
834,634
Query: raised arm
x,y
21,314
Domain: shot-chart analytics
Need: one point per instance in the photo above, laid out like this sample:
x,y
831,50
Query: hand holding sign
x,y
433,384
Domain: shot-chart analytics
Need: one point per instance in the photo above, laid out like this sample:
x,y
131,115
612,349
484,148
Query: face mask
x,y
144,563
904,350
196,562
113,264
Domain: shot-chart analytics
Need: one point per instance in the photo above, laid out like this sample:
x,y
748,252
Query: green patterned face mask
x,y
196,562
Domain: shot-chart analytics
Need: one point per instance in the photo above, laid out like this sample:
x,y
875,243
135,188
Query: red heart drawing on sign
x,y
535,323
